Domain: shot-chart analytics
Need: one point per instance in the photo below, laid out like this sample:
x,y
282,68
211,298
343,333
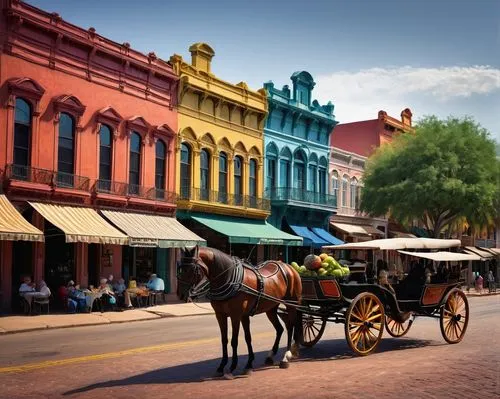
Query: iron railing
x,y
300,195
163,195
110,187
29,174
200,194
69,180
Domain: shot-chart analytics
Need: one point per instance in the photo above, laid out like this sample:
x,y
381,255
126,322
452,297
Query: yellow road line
x,y
111,355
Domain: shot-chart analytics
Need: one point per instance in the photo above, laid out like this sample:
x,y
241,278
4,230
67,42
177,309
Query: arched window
x,y
22,138
134,174
105,158
160,168
185,171
66,151
253,183
345,184
299,178
238,184
335,184
271,157
354,193
223,177
204,174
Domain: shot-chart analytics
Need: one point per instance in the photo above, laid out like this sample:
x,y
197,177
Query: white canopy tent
x,y
442,256
398,243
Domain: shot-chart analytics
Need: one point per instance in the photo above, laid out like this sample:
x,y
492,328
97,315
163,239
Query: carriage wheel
x,y
395,328
364,323
454,316
312,330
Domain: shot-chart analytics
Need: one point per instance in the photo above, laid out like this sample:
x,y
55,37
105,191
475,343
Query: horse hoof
x,y
269,361
284,365
228,376
248,372
218,374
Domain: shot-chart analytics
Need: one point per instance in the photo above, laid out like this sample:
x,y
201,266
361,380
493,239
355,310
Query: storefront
x,y
251,239
69,231
152,240
15,232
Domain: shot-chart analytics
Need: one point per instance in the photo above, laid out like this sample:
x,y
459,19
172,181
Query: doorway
x,y
93,264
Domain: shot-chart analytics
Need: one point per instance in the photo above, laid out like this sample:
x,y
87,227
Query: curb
x,y
160,316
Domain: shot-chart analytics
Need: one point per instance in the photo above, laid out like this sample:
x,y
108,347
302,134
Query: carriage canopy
x,y
399,243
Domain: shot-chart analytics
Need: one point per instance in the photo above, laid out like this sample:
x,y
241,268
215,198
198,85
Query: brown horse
x,y
238,292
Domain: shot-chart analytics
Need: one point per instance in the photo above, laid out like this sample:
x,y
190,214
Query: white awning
x,y
354,229
399,243
442,256
482,253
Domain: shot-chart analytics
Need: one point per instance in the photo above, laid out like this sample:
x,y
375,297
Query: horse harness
x,y
233,283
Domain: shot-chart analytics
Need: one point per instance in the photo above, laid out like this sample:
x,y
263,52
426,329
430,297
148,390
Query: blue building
x,y
297,150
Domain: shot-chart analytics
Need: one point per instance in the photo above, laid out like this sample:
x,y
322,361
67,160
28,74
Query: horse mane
x,y
222,258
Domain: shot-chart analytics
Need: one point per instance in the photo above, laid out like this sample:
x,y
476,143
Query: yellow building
x,y
220,158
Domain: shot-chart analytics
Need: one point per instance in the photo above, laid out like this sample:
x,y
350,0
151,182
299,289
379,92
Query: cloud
x,y
360,95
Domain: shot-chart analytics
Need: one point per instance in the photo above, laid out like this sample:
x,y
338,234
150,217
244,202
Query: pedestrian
x,y
479,283
491,281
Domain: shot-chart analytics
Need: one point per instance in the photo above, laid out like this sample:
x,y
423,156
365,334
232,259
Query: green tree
x,y
445,171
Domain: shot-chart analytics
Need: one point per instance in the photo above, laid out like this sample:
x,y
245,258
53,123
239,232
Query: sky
x,y
438,57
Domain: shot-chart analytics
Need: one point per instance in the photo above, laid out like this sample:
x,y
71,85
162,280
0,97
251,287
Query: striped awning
x,y
153,230
13,226
80,224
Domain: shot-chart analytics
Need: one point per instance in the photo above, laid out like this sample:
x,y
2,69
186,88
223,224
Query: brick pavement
x,y
420,365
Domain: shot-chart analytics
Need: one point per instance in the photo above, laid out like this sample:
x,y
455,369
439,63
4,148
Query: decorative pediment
x,y
138,123
208,139
25,87
240,147
254,151
69,103
164,130
188,134
110,116
224,142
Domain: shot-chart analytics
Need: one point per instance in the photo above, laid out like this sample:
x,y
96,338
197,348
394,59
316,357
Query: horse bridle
x,y
200,272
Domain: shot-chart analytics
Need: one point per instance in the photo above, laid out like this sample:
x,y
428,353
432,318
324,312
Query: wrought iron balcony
x,y
167,196
69,180
29,174
299,195
110,187
199,194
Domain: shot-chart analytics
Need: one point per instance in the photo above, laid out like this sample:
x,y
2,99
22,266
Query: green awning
x,y
248,231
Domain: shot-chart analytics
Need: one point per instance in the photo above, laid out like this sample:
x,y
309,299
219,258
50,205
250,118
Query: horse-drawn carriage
x,y
365,309
239,291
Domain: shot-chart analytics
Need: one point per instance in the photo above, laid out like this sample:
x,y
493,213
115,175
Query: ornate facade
x,y
297,136
85,123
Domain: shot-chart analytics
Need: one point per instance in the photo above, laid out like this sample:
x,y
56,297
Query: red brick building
x,y
351,145
363,137
91,123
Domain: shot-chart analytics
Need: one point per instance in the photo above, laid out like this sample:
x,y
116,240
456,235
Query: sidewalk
x,y
16,324
485,292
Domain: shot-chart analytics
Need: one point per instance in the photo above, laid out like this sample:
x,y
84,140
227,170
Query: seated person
x,y
120,290
76,297
383,280
44,291
26,286
155,283
106,291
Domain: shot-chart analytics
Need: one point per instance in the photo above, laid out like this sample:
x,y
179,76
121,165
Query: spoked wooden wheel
x,y
364,323
395,328
312,330
454,316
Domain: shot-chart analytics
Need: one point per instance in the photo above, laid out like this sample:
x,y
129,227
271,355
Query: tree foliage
x,y
444,171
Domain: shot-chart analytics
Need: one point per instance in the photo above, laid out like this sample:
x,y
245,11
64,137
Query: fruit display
x,y
321,266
